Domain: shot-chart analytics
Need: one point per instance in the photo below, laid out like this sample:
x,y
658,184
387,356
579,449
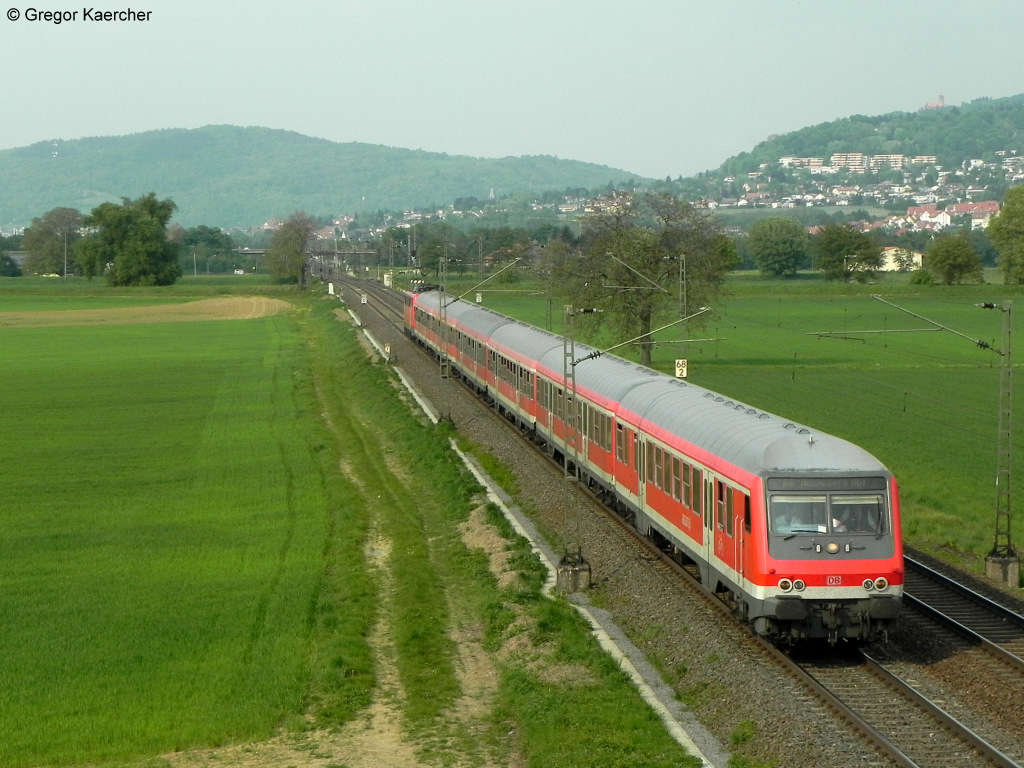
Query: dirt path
x,y
376,739
220,308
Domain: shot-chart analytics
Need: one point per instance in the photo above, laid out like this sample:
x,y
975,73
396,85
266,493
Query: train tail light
x,y
881,584
785,585
869,584
799,585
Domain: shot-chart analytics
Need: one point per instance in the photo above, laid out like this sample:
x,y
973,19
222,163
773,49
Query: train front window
x,y
837,513
857,514
798,514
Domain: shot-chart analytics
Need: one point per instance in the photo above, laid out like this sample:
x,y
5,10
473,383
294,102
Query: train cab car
x,y
799,528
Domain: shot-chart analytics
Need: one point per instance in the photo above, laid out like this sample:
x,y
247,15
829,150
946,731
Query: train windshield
x,y
827,513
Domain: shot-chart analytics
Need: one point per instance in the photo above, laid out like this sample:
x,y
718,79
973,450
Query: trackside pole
x,y
572,574
1003,563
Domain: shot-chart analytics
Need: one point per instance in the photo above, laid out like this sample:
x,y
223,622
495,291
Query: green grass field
x,y
158,522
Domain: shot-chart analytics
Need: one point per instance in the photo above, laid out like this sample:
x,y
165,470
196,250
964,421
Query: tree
x,y
1006,231
50,239
952,260
128,242
778,245
646,258
286,257
207,246
8,266
843,252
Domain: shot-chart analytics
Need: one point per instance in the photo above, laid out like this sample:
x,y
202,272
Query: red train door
x,y
725,533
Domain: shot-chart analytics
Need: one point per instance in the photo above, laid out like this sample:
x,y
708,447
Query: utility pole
x,y
1003,563
573,571
442,274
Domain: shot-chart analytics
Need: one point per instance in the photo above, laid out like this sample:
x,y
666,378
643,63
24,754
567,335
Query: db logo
x,y
834,581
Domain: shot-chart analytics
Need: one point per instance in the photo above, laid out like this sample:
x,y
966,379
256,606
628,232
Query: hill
x,y
232,176
976,129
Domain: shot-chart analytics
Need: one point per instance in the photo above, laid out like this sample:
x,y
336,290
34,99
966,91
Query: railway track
x,y
971,614
904,725
900,722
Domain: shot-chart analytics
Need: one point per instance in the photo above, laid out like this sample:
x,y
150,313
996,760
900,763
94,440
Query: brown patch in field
x,y
479,534
221,308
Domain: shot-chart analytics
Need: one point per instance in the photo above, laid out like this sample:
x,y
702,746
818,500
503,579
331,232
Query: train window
x,y
708,502
746,513
636,451
687,486
730,512
525,381
650,462
857,514
798,514
659,468
698,495
621,446
677,478
720,505
836,513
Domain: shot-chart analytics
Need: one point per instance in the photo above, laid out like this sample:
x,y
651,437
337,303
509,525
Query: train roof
x,y
755,440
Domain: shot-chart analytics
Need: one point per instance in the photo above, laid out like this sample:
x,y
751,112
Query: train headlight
x,y
832,548
869,584
785,585
799,585
881,584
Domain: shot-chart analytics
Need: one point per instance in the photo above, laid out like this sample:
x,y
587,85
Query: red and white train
x,y
801,529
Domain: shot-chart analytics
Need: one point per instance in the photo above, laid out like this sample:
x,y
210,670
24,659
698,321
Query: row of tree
x,y
131,243
782,246
134,243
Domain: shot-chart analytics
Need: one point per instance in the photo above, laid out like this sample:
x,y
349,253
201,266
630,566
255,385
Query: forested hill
x,y
231,176
976,129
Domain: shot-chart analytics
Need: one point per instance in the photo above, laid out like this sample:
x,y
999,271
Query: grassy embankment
x,y
830,356
186,513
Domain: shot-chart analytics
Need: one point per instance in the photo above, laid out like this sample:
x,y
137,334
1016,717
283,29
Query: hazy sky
x,y
654,87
